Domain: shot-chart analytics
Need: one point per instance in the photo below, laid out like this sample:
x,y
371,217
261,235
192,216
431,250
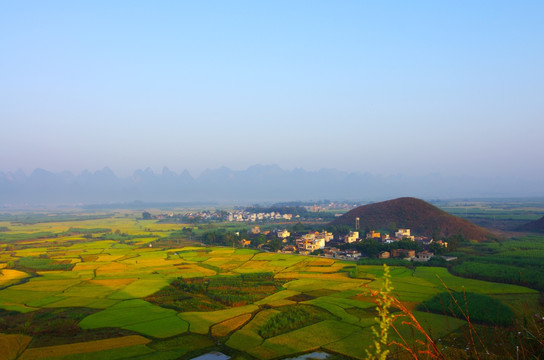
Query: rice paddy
x,y
113,282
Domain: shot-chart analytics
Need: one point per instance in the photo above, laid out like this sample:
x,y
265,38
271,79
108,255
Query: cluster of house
x,y
282,234
401,234
315,240
252,217
318,240
411,255
331,206
206,215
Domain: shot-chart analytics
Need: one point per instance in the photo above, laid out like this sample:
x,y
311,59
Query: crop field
x,y
105,288
82,348
496,214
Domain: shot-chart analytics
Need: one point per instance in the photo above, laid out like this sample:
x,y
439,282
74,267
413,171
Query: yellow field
x,y
334,276
11,346
333,268
8,276
200,322
36,284
85,266
226,327
114,284
84,347
322,262
111,268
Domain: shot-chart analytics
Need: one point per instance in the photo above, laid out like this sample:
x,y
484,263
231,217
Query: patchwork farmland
x,y
103,289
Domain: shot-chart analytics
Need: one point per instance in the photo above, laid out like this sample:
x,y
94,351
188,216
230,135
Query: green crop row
x,y
477,308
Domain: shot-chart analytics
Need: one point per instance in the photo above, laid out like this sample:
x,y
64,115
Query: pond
x,y
214,355
317,355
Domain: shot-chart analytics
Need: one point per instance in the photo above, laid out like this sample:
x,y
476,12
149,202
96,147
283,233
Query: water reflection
x,y
214,355
317,355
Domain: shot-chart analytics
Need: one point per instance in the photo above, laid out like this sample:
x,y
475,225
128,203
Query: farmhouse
x,y
403,253
332,251
384,255
404,233
289,249
424,256
313,241
424,240
353,254
245,242
310,245
352,237
282,234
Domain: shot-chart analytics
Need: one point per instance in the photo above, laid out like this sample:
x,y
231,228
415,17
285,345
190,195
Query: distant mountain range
x,y
258,183
420,217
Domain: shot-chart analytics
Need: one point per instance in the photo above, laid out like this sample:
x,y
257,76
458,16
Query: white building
x,y
282,234
352,237
404,233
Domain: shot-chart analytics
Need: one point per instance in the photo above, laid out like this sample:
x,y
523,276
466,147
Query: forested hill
x,y
421,217
533,226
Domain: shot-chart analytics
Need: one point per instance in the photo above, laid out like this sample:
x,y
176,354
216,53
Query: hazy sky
x,y
383,87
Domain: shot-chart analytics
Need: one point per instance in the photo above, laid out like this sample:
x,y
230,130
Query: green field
x,y
59,288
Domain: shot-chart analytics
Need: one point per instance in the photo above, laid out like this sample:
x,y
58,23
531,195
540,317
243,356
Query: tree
x,y
146,215
454,242
392,227
369,248
406,243
259,239
437,249
298,227
275,244
339,230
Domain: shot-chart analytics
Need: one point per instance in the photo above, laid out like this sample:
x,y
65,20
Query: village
x,y
256,214
222,215
326,244
346,245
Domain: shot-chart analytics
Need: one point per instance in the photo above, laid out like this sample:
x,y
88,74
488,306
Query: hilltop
x,y
421,217
533,226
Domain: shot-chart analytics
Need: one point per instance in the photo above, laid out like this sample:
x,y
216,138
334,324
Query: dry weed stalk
x,y
426,347
472,331
384,302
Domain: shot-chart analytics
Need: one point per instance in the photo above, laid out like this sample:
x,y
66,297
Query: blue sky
x,y
381,87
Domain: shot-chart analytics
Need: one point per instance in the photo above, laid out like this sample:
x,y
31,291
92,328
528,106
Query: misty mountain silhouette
x,y
264,183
